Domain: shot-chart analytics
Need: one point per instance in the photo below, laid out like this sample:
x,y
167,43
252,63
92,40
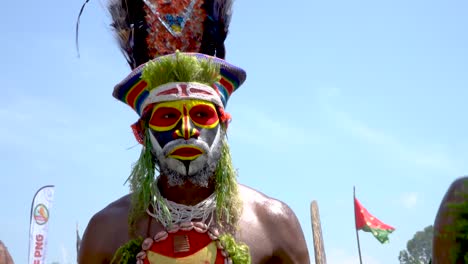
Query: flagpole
x,y
357,233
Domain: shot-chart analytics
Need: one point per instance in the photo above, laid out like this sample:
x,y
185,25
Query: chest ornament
x,y
188,242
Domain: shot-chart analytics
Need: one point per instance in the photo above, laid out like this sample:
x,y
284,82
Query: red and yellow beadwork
x,y
191,242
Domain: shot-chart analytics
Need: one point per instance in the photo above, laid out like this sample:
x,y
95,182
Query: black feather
x,y
130,28
77,29
216,27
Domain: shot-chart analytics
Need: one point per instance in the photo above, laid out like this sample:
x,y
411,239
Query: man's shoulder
x,y
97,245
110,218
117,209
265,207
277,225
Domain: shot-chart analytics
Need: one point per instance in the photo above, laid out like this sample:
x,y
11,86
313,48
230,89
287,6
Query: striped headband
x,y
133,89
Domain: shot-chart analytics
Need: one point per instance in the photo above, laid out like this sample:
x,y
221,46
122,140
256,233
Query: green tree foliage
x,y
419,248
459,230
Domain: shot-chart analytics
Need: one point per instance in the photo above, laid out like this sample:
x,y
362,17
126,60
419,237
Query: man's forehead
x,y
180,91
189,103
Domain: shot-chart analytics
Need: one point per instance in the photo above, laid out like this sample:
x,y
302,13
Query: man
x,y
450,244
5,257
194,211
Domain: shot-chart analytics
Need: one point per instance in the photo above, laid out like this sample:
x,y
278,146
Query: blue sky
x,y
339,94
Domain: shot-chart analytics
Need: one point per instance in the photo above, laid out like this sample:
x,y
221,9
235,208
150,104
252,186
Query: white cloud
x,y
389,143
259,128
27,116
409,200
325,94
40,129
427,156
27,110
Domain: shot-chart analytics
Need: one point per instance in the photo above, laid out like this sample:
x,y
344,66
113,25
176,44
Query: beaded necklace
x,y
180,213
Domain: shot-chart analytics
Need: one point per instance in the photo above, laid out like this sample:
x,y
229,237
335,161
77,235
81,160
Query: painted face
x,y
185,136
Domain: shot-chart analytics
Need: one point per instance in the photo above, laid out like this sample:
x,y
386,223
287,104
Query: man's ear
x,y
224,117
141,125
138,129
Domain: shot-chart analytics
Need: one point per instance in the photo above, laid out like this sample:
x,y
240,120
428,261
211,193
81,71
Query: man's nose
x,y
186,129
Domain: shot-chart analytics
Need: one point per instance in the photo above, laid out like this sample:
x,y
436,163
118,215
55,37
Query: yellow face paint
x,y
165,116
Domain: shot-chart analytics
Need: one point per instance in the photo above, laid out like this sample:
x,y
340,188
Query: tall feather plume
x,y
225,11
219,14
123,30
131,26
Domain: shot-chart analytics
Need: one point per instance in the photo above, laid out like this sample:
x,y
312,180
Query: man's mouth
x,y
185,152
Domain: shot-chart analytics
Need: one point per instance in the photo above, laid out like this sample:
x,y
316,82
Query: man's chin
x,y
186,167
199,171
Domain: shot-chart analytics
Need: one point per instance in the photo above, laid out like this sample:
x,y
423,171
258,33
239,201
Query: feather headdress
x,y
147,29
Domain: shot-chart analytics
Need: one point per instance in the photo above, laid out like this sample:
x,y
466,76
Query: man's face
x,y
186,139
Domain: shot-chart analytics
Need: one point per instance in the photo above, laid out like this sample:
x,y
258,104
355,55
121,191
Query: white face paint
x,y
186,138
199,170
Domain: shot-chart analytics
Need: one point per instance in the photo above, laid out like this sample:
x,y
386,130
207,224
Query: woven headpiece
x,y
135,92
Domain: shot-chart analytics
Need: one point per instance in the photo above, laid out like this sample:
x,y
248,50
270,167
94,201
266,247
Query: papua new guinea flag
x,y
367,222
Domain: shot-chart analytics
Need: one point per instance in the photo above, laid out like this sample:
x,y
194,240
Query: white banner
x,y
40,212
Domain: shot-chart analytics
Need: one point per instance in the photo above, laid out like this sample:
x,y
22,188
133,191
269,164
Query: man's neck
x,y
187,193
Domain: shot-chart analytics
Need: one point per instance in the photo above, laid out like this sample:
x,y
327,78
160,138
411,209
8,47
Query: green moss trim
x,y
126,254
238,252
142,178
183,68
228,204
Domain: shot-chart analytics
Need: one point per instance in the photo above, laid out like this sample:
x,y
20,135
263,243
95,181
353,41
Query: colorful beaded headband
x,y
133,89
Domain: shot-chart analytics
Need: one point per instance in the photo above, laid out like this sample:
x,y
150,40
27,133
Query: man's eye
x,y
169,116
201,114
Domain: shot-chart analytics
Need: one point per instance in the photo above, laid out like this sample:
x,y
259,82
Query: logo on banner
x,y
41,214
